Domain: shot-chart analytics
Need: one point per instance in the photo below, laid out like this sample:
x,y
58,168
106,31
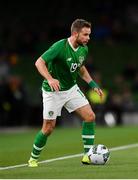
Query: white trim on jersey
x,y
75,49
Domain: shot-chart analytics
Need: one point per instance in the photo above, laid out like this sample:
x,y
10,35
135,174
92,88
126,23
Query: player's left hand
x,y
99,92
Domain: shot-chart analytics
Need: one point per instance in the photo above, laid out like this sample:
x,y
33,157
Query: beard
x,y
79,42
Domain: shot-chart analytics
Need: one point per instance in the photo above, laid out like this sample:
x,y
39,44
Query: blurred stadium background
x,y
27,29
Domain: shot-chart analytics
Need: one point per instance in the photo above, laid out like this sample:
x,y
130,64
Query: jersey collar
x,y
74,49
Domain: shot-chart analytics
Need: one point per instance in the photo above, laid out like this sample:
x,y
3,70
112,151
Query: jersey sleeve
x,y
52,52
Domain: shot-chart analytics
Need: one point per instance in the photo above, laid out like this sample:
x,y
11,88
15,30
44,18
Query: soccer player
x,y
60,66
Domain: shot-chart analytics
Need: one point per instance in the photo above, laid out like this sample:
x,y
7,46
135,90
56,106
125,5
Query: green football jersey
x,y
63,63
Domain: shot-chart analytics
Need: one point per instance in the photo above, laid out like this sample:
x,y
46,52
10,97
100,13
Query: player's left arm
x,y
84,74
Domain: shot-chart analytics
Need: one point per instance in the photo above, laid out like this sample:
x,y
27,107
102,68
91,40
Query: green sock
x,y
39,143
88,131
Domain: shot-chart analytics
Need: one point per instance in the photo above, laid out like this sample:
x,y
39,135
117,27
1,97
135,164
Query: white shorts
x,y
53,102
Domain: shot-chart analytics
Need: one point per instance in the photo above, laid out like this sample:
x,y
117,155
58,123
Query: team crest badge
x,y
50,113
81,59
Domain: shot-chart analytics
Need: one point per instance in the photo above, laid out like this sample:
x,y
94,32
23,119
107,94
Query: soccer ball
x,y
99,154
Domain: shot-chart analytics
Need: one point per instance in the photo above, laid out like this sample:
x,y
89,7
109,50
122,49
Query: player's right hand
x,y
54,84
99,92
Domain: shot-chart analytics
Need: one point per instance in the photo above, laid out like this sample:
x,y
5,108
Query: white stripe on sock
x,y
88,136
87,146
32,154
38,148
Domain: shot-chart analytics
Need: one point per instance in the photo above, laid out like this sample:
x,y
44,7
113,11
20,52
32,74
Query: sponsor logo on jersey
x,y
69,59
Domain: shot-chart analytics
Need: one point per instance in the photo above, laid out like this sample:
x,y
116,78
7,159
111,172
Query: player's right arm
x,y
43,70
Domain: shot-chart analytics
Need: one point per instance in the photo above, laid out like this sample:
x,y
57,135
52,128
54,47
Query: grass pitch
x,y
16,148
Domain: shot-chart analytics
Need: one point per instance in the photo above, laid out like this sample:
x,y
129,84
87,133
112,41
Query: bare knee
x,y
86,113
48,126
90,117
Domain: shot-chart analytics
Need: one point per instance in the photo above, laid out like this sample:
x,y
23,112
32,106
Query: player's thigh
x,y
86,113
76,99
51,106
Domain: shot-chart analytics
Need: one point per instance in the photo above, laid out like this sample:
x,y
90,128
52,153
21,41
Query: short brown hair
x,y
78,24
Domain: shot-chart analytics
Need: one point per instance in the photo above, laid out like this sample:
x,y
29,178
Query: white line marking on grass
x,y
70,156
124,147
